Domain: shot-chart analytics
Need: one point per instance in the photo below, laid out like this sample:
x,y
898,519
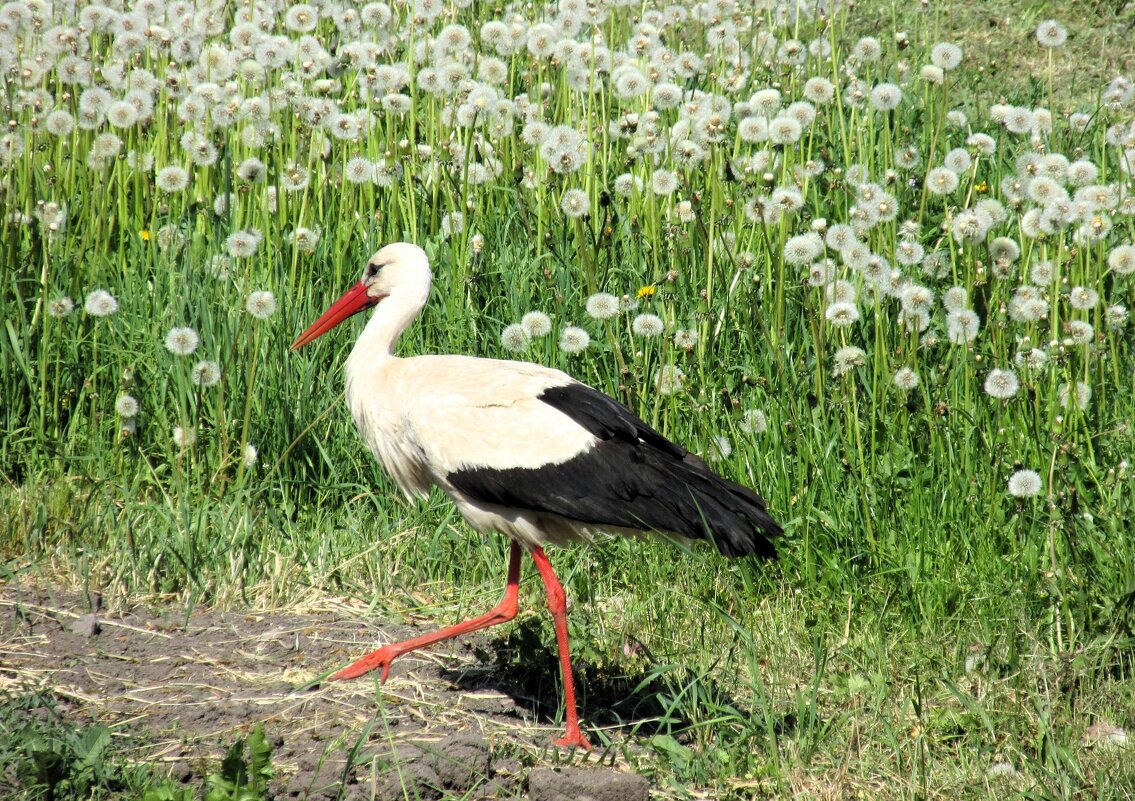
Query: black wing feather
x,y
633,478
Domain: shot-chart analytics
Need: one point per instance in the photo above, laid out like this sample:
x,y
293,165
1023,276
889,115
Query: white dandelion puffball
x,y
100,303
1025,484
720,448
537,324
647,325
184,437
61,306
261,304
669,379
753,421
1001,384
602,306
847,359
126,406
171,179
515,338
206,373
842,314
575,204
182,341
1051,33
1122,259
250,455
906,378
574,339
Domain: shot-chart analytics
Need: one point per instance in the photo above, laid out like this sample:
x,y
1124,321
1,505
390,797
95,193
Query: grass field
x,y
875,261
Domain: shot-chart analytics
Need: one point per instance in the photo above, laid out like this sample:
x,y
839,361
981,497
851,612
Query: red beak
x,y
354,300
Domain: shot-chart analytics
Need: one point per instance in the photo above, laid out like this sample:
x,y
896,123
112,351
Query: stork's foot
x,y
573,738
382,658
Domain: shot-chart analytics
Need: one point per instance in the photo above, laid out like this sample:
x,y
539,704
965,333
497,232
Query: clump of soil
x,y
187,686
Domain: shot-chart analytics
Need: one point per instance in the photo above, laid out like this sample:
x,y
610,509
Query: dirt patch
x,y
186,686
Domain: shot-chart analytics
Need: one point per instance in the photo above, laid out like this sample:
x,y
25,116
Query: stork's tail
x,y
731,516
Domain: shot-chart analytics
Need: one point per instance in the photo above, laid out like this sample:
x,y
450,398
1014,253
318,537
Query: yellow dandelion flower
x,y
645,291
145,234
982,187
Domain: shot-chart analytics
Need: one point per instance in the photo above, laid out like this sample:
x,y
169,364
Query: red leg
x,y
557,605
501,613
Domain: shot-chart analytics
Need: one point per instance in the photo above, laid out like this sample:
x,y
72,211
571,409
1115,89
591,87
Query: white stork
x,y
522,449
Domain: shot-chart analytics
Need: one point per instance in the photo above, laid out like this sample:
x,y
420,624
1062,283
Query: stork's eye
x,y
372,270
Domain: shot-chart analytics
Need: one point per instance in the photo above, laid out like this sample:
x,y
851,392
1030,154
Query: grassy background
x,y
921,626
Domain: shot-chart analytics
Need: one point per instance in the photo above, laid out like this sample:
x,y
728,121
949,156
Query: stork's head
x,y
400,271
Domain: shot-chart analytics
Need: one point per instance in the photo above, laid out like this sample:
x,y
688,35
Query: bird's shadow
x,y
636,696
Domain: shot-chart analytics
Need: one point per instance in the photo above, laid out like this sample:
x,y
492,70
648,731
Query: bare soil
x,y
183,686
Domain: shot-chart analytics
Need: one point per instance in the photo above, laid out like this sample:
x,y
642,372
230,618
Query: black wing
x,y
632,478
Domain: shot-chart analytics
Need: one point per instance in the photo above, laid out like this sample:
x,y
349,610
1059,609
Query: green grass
x,y
840,670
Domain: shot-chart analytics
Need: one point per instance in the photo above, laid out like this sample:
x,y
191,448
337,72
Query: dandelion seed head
x,y
916,299
785,130
847,359
686,339
574,339
1031,359
941,181
932,74
867,49
60,306
753,421
182,341
1001,384
627,184
803,249
886,97
647,325
945,55
906,378
261,304
1080,394
820,91
537,324
1051,33
955,298
962,326
171,179
720,448
842,314
242,244
452,223
669,379
515,338
1001,768
126,406
1082,297
959,160
1115,316
184,437
1121,259
1025,484
100,303
1080,332
663,182
206,373
602,306
359,170
59,123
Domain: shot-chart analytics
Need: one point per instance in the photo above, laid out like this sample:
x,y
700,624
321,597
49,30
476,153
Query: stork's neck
x,y
390,318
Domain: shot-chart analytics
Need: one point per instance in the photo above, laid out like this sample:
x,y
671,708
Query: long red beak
x,y
354,300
